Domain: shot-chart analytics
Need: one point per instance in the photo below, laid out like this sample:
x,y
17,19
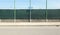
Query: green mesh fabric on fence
x,y
25,14
6,14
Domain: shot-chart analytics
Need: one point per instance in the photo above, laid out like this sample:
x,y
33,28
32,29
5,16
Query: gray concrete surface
x,y
29,30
